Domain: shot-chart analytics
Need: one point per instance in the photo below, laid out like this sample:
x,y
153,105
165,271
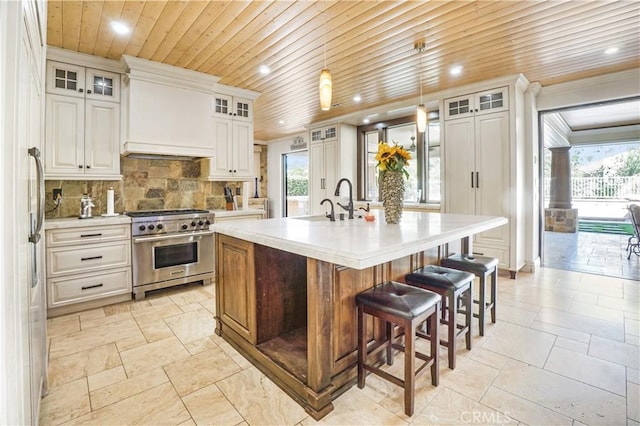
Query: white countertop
x,y
74,222
357,243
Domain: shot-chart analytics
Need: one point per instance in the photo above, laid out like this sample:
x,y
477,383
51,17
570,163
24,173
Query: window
x,y
423,184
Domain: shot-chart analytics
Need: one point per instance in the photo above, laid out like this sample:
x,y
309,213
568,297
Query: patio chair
x,y
633,244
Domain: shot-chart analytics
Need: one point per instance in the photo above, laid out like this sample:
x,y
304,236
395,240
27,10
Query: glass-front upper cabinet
x,y
477,103
233,107
81,82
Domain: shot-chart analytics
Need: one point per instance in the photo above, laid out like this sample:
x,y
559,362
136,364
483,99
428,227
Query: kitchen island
x,y
285,290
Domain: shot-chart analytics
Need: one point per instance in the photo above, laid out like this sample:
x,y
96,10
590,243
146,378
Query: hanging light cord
x,y
324,13
420,73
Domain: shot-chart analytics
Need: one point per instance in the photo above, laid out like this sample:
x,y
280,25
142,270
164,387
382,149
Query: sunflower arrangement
x,y
392,158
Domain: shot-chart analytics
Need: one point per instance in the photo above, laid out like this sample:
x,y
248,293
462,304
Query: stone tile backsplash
x,y
146,185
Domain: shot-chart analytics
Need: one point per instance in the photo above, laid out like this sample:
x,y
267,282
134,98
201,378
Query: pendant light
x,y
325,75
421,111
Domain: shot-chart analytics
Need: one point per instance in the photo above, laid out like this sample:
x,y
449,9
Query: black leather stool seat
x,y
400,300
476,264
483,267
442,277
455,288
405,306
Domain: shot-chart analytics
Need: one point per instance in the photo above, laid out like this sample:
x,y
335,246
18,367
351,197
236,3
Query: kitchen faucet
x,y
348,207
331,216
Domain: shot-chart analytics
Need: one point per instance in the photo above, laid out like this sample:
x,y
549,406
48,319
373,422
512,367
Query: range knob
x,y
142,227
193,224
160,226
184,226
207,222
151,227
200,223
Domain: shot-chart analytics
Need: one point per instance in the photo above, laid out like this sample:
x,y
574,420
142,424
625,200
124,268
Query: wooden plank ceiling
x,y
369,45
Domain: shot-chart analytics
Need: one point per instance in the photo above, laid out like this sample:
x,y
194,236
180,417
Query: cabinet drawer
x,y
93,257
80,288
68,236
500,253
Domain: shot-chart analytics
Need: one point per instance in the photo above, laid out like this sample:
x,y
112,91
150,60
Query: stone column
x,y
560,217
560,196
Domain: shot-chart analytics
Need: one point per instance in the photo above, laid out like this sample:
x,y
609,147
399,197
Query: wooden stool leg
x,y
469,314
494,293
435,346
482,307
453,312
389,342
362,346
409,366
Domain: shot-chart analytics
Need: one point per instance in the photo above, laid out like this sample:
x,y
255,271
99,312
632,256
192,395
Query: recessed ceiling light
x,y
264,70
611,50
281,122
357,98
120,27
365,121
456,70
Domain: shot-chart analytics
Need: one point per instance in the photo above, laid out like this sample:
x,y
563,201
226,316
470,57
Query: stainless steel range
x,y
171,247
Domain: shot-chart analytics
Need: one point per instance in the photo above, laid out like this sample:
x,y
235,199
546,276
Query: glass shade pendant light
x,y
421,111
325,85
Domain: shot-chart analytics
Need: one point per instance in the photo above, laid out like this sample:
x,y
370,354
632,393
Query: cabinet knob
x,y
88,167
79,166
80,90
230,171
89,91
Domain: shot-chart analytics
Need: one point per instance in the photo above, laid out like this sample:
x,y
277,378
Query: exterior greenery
x,y
297,186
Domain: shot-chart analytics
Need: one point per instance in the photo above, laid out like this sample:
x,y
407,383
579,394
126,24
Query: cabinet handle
x,y
472,179
322,183
90,235
91,286
477,179
90,258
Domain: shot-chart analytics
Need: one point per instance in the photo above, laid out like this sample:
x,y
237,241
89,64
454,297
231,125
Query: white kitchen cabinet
x,y
332,156
82,123
87,266
233,159
233,135
233,107
82,82
82,138
485,102
483,163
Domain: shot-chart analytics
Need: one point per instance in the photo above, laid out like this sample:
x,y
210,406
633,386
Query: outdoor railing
x,y
602,187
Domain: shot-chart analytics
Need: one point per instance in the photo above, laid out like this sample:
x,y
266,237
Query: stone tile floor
x,y
591,252
564,351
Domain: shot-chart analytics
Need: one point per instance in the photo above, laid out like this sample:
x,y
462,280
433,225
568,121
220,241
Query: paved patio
x,y
590,252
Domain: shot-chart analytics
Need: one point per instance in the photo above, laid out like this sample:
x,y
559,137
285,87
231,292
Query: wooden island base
x,y
295,317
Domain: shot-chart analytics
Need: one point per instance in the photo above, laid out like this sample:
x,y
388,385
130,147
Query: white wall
x,y
619,85
275,149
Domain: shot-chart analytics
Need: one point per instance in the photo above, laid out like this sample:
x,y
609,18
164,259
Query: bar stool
x,y
407,307
455,288
482,267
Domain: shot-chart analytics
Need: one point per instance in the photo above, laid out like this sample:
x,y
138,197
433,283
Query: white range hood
x,y
167,111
